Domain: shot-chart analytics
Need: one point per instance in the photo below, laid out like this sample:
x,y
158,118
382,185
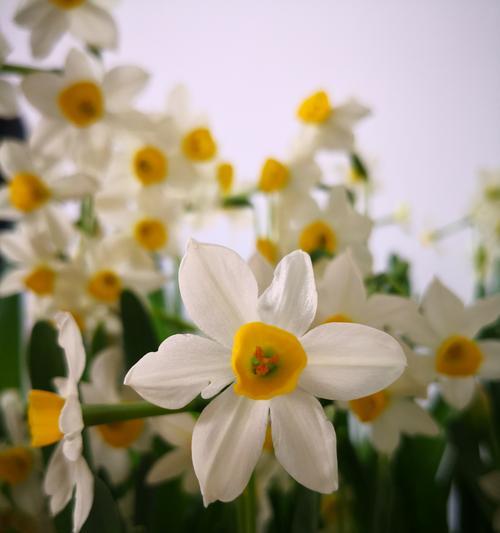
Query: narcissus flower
x,y
49,20
448,331
58,418
270,367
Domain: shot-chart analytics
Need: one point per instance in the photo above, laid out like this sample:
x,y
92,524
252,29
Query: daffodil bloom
x,y
177,430
49,20
448,329
328,126
269,367
58,418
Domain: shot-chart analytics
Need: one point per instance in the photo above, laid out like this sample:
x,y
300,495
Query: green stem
x,y
246,509
23,70
450,228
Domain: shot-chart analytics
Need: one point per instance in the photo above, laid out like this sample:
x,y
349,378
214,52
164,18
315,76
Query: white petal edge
x,y
458,392
70,340
84,494
490,367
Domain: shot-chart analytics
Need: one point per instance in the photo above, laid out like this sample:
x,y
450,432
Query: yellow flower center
x,y
67,4
81,103
268,249
199,145
339,317
266,360
318,236
458,356
27,192
151,234
121,434
44,409
150,165
105,286
274,176
316,109
225,176
15,465
41,280
369,407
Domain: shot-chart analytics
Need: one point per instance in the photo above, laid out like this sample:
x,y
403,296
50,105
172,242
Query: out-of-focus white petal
x,y
347,361
79,66
411,418
482,313
95,26
183,366
262,270
291,299
122,84
13,282
16,248
384,310
31,13
58,482
15,157
490,367
13,416
227,443
218,289
84,494
385,434
176,429
458,392
105,371
47,32
169,466
8,100
70,340
304,440
74,186
41,90
143,281
58,225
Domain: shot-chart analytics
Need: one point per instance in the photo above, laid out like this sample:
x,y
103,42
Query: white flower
x,y
329,127
54,418
271,367
447,329
8,96
49,20
177,430
83,105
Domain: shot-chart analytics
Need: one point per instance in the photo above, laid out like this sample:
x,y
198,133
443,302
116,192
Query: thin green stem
x,y
450,228
246,509
23,70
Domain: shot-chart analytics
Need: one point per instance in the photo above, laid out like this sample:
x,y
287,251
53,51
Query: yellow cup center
x,y
15,464
458,356
316,109
225,176
268,249
67,4
27,192
318,235
369,407
81,103
151,234
267,361
339,317
150,165
274,176
41,281
44,409
121,434
105,286
199,146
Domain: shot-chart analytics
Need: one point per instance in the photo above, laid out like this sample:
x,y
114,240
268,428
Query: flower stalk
x,y
246,509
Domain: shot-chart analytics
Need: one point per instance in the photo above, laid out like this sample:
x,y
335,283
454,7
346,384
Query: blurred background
x,y
429,70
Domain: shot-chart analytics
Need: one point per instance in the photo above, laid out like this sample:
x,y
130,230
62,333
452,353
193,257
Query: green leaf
x,y
139,335
10,341
45,357
305,510
104,516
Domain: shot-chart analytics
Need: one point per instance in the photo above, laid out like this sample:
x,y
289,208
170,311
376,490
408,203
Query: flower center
x,y
316,109
44,409
105,286
199,146
268,249
266,360
369,407
121,434
150,165
318,236
458,356
67,4
28,192
274,176
81,103
41,280
151,234
15,464
339,317
225,176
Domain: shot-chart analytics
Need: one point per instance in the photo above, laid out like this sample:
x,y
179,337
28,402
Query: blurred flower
x,y
8,96
250,336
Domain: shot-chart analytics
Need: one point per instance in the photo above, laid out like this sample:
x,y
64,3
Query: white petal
x,y
58,225
444,310
411,418
122,84
169,466
482,313
490,367
15,157
84,494
95,26
385,434
420,331
41,91
31,13
105,371
74,186
58,482
13,282
190,481
70,340
8,100
218,289
350,112
227,443
79,66
384,310
347,361
47,32
176,429
458,392
291,299
16,247
143,281
70,419
262,270
183,366
304,441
